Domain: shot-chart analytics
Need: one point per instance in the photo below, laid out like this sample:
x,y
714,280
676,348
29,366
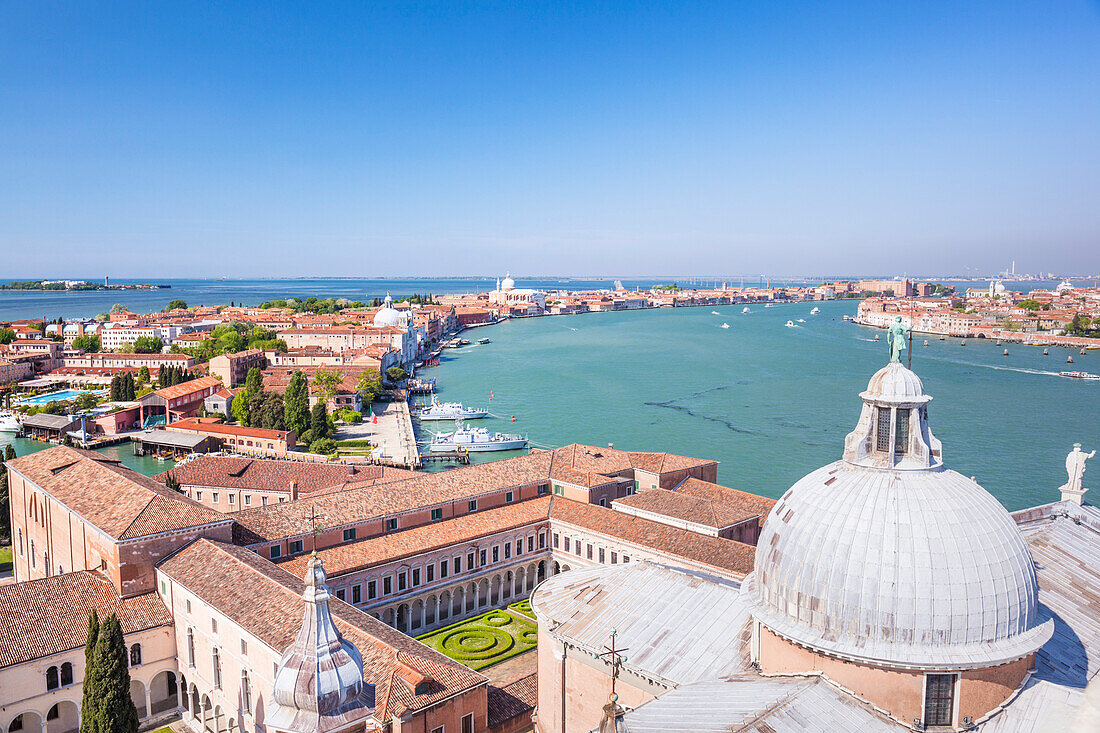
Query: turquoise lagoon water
x,y
771,403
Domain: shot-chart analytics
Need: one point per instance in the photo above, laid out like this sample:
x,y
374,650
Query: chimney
x,y
293,490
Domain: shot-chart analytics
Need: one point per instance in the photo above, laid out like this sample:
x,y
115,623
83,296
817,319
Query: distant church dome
x,y
507,283
320,677
885,557
387,315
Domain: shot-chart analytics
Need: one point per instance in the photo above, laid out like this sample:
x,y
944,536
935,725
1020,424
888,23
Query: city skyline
x,y
444,140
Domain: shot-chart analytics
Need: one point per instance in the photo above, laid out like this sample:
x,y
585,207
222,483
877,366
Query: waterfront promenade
x,y
392,434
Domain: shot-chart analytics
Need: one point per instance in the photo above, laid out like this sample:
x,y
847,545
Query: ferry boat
x,y
9,423
483,340
790,324
746,310
1080,375
725,325
451,411
476,440
815,311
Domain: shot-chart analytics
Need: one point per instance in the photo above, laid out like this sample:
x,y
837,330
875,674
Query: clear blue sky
x,y
375,139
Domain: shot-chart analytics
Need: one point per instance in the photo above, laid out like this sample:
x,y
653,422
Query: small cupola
x,y
893,431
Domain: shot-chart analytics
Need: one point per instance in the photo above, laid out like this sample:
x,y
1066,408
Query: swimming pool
x,y
65,394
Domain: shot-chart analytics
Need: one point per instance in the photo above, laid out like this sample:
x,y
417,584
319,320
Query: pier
x,y
392,434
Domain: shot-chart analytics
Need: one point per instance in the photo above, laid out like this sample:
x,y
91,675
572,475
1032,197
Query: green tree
x,y
1030,304
148,345
171,482
254,382
9,452
324,446
143,374
270,413
7,335
90,344
319,426
85,401
89,707
327,383
240,408
129,390
115,712
296,403
176,304
116,388
396,374
369,385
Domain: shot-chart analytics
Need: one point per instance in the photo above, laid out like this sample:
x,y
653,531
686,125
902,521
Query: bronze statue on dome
x,y
895,336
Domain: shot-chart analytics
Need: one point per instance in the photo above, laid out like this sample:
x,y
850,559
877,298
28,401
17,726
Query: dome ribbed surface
x,y
895,383
387,315
921,569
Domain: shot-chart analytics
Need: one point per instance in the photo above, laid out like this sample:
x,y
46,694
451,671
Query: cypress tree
x,y
115,389
254,382
318,421
296,403
89,707
9,452
116,712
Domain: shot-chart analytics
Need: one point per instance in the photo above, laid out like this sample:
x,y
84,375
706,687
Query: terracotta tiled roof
x,y
289,519
575,462
49,616
266,601
258,474
186,388
120,502
425,538
512,699
223,429
701,502
728,555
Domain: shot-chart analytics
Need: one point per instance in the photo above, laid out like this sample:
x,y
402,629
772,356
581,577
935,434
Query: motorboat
x,y
9,423
1080,375
847,317
450,411
476,440
815,311
801,320
725,325
464,342
746,310
790,324
715,313
483,340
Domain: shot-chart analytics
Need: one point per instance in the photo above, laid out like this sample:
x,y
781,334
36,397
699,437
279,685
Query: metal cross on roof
x,y
315,521
614,655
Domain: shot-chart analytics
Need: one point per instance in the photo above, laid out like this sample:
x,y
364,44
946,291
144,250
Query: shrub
x,y
324,446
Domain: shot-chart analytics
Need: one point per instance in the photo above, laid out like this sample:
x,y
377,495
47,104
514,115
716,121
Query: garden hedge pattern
x,y
484,640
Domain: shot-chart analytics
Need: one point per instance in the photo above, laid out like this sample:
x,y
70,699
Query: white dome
x,y
895,383
507,283
888,558
387,315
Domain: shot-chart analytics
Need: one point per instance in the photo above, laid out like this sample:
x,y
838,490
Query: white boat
x,y
9,423
1080,375
746,310
715,313
451,411
476,440
815,311
790,324
767,305
483,340
801,320
847,317
725,325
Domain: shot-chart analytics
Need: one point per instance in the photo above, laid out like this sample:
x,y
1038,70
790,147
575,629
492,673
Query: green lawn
x,y
523,607
5,559
484,640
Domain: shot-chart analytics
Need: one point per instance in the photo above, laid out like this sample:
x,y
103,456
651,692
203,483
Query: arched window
x,y
135,655
191,647
217,661
52,682
246,693
66,674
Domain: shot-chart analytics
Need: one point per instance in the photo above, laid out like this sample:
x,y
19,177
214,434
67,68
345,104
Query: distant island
x,y
76,285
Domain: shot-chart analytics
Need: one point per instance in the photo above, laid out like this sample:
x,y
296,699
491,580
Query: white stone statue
x,y
1075,467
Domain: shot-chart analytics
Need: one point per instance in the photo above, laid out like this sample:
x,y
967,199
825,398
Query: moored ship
x,y
476,440
451,411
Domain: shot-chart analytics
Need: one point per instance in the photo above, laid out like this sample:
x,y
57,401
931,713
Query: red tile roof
x,y
701,502
223,429
120,502
266,601
187,388
267,475
49,616
512,699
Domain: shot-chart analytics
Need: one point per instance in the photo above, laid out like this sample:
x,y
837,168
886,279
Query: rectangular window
x,y
349,534
882,433
626,558
577,547
198,496
557,540
542,540
507,550
437,514
588,552
530,544
482,557
416,577
443,568
387,586
232,498
188,605
473,505
214,497
372,589
939,699
508,497
340,593
567,543
519,546
601,555
276,551
614,557
557,489
295,547
469,561
357,594
901,430
544,489
248,499
263,501
496,553
468,723
244,647
458,564
431,573
603,501
391,524
214,625
402,581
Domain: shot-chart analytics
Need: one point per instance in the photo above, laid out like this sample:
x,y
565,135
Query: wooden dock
x,y
457,456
